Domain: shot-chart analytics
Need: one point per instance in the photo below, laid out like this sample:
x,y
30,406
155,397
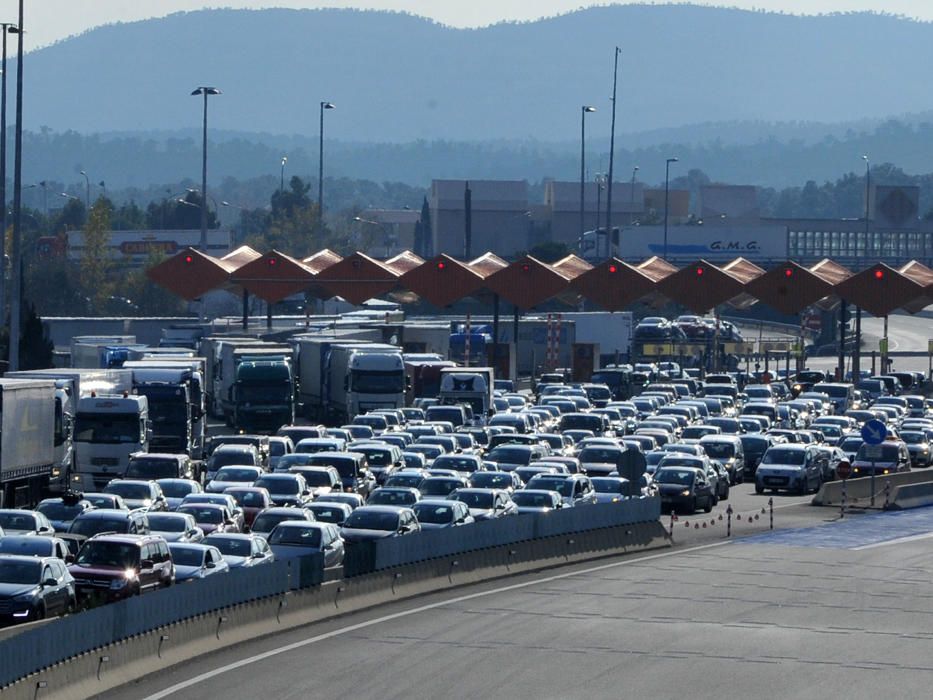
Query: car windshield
x,y
372,520
529,499
296,537
129,490
434,514
222,459
288,487
409,480
236,474
913,438
783,456
187,556
56,510
460,464
92,526
474,499
231,546
603,485
491,480
116,554
177,489
164,522
373,382
377,457
600,454
439,486
509,455
317,478
561,484
148,468
276,448
249,499
683,477
719,450
327,514
20,572
391,497
204,515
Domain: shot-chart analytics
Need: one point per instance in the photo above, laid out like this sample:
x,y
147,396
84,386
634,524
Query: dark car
x,y
242,551
684,489
112,567
252,501
376,522
61,512
211,517
297,539
31,588
755,445
285,489
93,522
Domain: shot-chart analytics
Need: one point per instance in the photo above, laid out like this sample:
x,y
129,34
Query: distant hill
x,y
397,77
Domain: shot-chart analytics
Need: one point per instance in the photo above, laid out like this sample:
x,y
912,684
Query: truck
x,y
611,331
70,385
263,395
168,391
230,358
311,362
108,429
27,448
90,351
469,385
210,350
196,395
364,377
423,378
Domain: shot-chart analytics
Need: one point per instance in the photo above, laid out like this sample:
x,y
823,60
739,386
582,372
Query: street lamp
x,y
16,299
667,192
69,196
7,27
87,191
320,167
206,91
584,110
386,236
600,180
282,176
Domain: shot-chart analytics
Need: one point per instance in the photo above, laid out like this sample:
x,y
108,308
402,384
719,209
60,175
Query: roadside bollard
x,y
887,494
729,521
673,520
771,509
842,504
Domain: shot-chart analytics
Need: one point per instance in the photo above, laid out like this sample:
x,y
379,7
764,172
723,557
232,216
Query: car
x,y
35,546
241,550
266,521
296,539
175,527
355,475
32,588
259,444
110,501
918,445
889,457
211,517
175,490
437,513
537,501
790,467
93,522
684,489
196,561
394,496
610,489
508,481
15,521
252,500
354,500
145,466
465,464
295,459
486,503
232,476
377,522
297,433
575,489
441,486
113,567
319,480
138,493
285,489
411,478
221,499
279,446
231,455
321,444
754,445
728,450
600,460
329,512
62,511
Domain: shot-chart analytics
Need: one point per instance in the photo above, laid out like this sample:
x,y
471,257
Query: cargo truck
x,y
469,385
263,395
27,446
90,351
362,378
108,429
171,414
423,378
231,355
311,363
210,350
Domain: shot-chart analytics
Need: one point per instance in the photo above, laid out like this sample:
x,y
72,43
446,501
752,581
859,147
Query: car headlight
x,y
147,502
685,492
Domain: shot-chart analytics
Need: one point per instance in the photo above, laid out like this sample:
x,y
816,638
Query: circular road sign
x,y
874,432
843,470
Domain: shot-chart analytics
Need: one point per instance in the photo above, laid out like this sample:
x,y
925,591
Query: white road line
x,y
899,540
168,692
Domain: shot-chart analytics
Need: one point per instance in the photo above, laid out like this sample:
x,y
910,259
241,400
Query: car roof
x,y
382,509
105,513
124,538
25,558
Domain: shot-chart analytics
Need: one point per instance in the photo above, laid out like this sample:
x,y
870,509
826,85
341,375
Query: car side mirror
x,y
50,582
146,564
210,565
69,558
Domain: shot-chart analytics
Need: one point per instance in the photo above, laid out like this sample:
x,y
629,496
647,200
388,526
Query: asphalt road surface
x,y
833,607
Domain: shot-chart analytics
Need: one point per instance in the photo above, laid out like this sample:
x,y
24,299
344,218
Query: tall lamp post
x,y
584,110
667,193
282,175
16,299
857,356
320,167
206,91
87,191
600,180
7,27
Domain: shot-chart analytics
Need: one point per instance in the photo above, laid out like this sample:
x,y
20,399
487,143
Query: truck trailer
x,y
27,440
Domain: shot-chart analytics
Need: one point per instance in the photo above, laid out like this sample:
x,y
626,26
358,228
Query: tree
x,y
427,235
95,260
35,346
549,251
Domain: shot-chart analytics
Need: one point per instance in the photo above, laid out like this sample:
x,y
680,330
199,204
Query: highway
x,y
827,604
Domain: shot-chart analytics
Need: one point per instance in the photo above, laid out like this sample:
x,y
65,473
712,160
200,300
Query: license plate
x,y
873,451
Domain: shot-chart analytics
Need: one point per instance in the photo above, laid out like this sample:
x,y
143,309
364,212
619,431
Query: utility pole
x,y
612,148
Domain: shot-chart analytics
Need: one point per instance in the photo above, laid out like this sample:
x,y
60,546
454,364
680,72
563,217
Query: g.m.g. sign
x,y
714,243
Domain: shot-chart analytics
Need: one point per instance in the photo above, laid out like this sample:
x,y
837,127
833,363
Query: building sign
x,y
135,248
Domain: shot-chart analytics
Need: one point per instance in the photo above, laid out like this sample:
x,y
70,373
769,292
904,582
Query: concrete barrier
x,y
911,496
128,660
858,491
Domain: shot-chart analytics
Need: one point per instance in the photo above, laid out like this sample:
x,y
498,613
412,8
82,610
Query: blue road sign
x,y
874,432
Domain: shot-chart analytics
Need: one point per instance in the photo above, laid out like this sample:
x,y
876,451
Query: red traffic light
x,y
613,269
441,265
526,267
788,272
879,274
272,262
189,259
700,271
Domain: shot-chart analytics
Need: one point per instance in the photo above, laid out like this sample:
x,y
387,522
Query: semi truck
x,y
27,448
423,378
91,351
231,355
263,395
168,392
211,350
469,385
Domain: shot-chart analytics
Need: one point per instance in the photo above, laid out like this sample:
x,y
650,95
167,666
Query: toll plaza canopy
x,y
528,282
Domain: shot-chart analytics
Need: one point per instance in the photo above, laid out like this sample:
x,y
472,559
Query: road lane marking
x,y
168,692
899,540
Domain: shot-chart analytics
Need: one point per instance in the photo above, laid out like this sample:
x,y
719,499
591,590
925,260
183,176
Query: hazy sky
x,y
51,20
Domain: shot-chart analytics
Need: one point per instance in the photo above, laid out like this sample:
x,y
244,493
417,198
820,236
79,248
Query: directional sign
x,y
843,470
632,466
874,432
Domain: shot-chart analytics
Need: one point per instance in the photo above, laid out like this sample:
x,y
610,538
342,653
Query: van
x,y
352,468
99,520
113,567
728,451
841,395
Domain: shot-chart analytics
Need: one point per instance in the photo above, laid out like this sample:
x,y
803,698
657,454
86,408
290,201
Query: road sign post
x,y
874,432
843,471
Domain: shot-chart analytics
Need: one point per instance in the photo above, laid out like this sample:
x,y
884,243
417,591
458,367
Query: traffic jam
x,y
145,496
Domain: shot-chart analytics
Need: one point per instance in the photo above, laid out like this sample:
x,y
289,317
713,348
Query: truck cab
x,y
108,429
471,386
263,396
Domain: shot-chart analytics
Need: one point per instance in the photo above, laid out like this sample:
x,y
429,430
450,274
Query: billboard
x,y
758,243
133,248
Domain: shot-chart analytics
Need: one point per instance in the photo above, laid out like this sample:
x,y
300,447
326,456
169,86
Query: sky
x,y
52,20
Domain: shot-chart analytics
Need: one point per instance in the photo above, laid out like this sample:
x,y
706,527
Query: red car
x,y
112,567
252,500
